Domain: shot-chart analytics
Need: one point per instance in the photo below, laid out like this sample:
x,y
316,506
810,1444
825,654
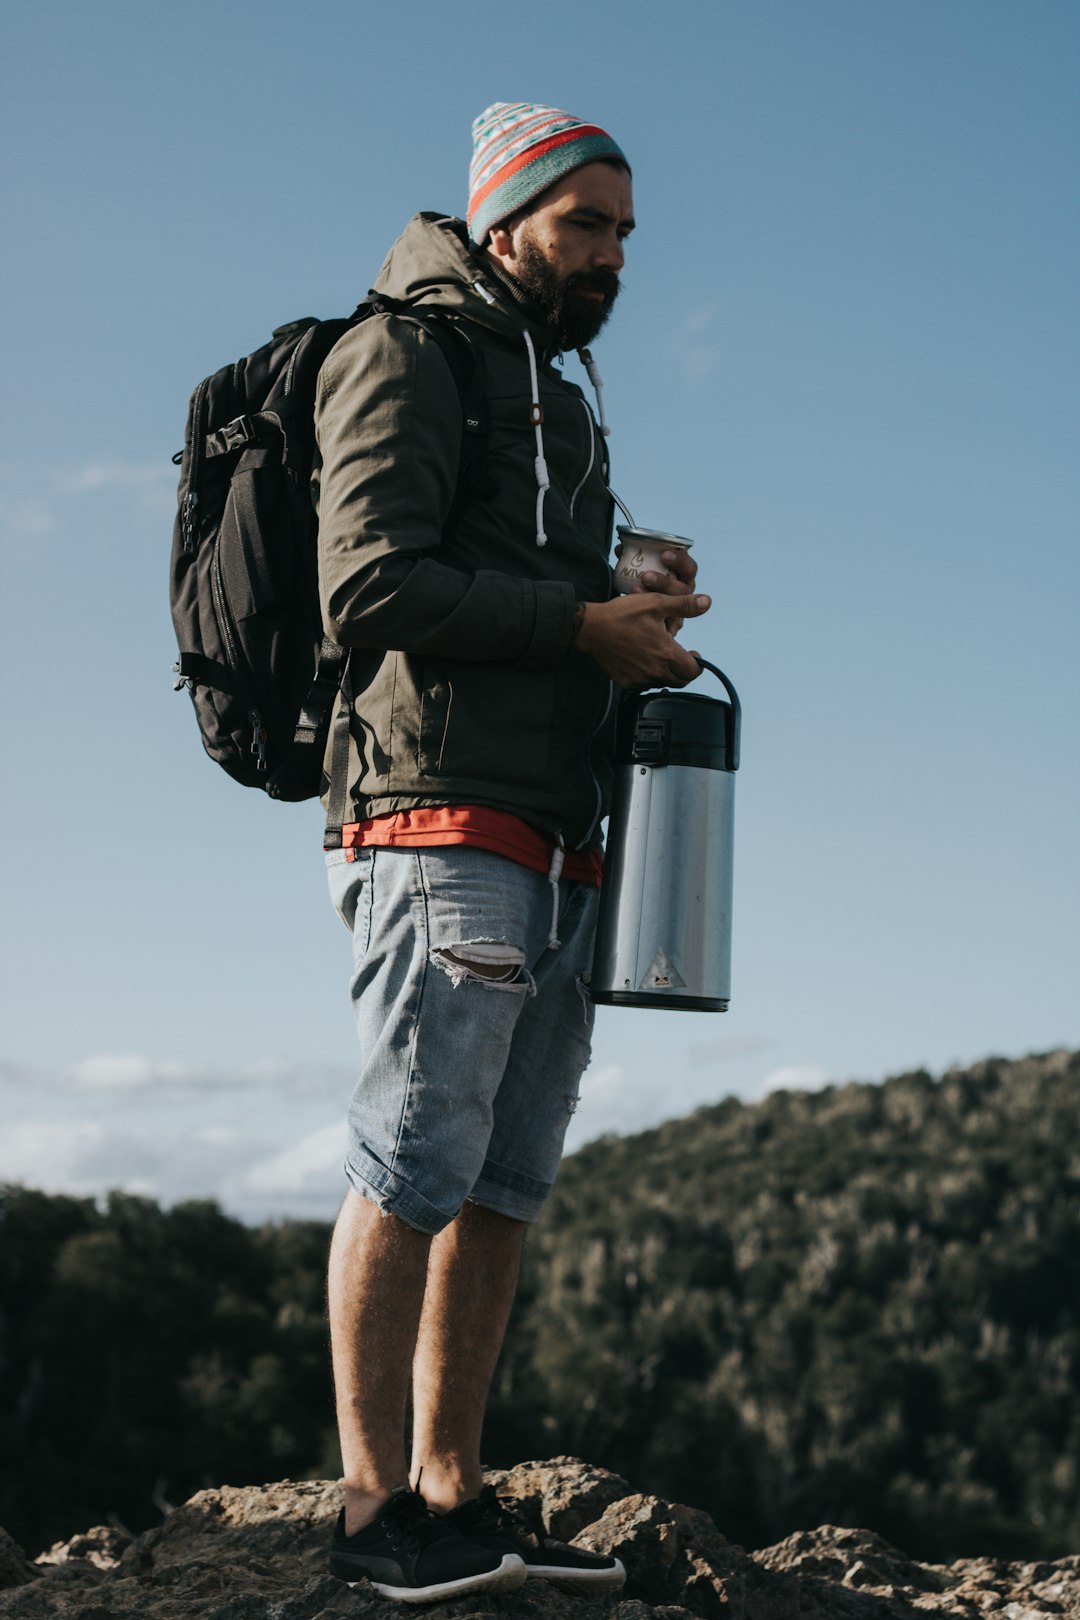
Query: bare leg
x,y
472,1276
378,1265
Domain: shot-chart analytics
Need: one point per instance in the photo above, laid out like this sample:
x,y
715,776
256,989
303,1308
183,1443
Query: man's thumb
x,y
691,606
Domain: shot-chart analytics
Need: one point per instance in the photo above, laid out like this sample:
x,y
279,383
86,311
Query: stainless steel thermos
x,y
664,934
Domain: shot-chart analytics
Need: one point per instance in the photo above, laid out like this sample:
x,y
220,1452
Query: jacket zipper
x,y
191,499
595,779
592,455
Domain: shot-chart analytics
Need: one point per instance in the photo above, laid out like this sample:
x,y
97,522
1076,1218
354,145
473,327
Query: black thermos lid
x,y
678,728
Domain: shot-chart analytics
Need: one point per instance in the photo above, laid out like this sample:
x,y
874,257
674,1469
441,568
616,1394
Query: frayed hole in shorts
x,y
582,982
490,963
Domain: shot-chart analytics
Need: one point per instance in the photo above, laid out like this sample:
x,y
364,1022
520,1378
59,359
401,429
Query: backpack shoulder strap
x,y
464,359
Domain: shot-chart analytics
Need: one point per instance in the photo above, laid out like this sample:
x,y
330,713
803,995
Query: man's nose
x,y
609,254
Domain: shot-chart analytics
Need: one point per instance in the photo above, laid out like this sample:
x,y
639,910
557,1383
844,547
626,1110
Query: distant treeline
x,y
858,1306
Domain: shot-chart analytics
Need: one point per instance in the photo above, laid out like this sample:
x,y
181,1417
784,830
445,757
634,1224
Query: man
x,y
486,647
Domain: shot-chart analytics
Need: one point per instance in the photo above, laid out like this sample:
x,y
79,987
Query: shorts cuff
x,y
510,1192
392,1194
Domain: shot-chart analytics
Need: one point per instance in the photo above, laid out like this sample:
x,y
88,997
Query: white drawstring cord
x,y
592,454
598,387
554,874
543,482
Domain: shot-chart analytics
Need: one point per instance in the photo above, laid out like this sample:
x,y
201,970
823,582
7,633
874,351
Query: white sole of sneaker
x,y
509,1575
579,1583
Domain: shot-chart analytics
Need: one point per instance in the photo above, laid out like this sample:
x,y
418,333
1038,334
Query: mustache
x,y
599,281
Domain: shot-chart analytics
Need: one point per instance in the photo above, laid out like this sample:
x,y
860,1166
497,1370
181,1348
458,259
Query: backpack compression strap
x,y
328,673
337,798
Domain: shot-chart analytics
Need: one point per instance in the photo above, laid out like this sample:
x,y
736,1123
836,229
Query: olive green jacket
x,y
464,686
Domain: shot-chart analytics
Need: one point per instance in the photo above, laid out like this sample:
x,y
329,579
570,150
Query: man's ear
x,y
501,242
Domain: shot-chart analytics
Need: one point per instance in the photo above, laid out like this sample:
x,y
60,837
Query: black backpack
x,y
243,582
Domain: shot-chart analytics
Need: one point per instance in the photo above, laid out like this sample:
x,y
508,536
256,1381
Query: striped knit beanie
x,y
519,149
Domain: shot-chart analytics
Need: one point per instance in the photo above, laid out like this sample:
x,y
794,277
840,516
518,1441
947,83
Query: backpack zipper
x,y
235,659
191,499
258,740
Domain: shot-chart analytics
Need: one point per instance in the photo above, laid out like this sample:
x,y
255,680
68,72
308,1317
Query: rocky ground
x,y
259,1553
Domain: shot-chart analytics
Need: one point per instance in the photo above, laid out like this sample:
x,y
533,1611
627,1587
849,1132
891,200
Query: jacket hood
x,y
432,261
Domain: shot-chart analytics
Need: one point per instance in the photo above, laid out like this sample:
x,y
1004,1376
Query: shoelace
x,y
497,1515
408,1523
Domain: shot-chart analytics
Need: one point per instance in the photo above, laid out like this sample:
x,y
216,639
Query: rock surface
x,y
259,1553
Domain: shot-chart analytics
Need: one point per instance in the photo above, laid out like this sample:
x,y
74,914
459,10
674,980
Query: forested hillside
x,y
858,1306
855,1306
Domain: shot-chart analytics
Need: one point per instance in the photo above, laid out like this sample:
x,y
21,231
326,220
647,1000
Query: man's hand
x,y
631,638
678,581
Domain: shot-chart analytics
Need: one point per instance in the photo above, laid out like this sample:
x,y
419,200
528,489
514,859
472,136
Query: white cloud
x,y
26,520
43,500
105,1075
794,1077
619,1101
694,344
121,1073
217,1136
128,1071
97,474
605,1101
311,1165
256,1136
726,1049
267,1138
288,1078
86,1157
22,1079
46,1155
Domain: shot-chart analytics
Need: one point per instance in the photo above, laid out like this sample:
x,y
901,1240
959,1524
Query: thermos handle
x,y
735,721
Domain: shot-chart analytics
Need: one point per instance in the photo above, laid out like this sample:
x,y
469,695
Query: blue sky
x,y
846,362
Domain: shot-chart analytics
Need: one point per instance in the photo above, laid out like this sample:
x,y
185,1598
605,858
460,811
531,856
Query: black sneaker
x,y
409,1554
491,1524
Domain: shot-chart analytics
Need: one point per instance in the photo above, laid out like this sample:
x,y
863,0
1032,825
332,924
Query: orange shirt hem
x,y
476,825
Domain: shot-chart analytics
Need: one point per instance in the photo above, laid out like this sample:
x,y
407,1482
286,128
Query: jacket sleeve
x,y
388,427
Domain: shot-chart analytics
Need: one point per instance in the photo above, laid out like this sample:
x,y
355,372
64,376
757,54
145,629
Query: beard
x,y
576,317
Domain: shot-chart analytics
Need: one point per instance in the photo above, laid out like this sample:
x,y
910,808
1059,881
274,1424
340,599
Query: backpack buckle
x,y
240,431
234,435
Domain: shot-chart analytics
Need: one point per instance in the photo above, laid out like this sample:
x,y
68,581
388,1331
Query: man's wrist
x,y
577,623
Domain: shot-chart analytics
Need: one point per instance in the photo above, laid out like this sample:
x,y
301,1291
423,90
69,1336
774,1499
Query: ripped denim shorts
x,y
468,1081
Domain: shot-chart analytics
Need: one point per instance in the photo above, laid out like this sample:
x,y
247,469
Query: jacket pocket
x,y
485,722
255,541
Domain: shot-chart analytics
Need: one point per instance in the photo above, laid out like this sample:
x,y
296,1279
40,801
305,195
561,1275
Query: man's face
x,y
567,252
